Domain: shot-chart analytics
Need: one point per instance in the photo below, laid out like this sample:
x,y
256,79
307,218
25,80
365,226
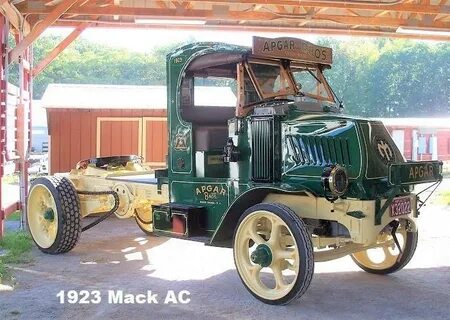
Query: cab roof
x,y
279,48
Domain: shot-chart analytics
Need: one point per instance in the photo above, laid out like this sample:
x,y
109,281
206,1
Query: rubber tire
x,y
138,222
408,252
304,244
68,210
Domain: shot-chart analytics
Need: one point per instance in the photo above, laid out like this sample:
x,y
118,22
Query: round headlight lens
x,y
335,180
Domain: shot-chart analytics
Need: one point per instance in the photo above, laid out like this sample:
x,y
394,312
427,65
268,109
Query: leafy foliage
x,y
392,78
377,78
88,63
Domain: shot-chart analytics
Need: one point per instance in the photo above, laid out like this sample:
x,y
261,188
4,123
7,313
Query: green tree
x,y
87,63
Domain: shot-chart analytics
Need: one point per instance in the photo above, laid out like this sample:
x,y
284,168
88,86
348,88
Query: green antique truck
x,y
269,167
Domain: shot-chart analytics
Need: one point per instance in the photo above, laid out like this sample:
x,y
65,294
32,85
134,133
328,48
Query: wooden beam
x,y
264,17
40,28
382,21
282,9
27,8
14,17
209,15
161,4
266,28
382,13
351,11
160,13
59,48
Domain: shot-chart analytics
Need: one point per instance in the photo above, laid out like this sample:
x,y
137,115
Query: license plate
x,y
400,206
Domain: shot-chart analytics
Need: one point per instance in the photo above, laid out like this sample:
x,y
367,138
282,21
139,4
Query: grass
x,y
443,198
14,216
14,178
15,247
11,179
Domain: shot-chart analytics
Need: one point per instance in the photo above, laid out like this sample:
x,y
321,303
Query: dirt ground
x,y
116,255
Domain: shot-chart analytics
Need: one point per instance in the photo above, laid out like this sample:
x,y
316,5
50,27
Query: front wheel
x,y
386,257
273,253
53,214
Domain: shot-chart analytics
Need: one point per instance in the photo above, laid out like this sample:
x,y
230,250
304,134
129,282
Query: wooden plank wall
x,y
155,143
120,137
73,133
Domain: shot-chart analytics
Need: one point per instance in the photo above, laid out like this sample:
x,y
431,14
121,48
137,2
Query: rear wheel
x,y
387,258
53,214
273,253
144,221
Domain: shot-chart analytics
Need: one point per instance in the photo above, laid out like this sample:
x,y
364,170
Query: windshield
x,y
272,79
260,80
311,83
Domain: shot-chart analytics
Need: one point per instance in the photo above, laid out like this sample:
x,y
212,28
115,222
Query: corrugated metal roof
x,y
90,96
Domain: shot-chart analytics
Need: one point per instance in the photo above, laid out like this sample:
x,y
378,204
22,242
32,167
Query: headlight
x,y
335,180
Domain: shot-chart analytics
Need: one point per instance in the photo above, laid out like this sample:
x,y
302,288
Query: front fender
x,y
223,235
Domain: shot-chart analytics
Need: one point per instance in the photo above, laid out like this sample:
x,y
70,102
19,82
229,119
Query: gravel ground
x,y
117,256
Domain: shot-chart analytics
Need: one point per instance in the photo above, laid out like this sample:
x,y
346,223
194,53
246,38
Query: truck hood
x,y
364,147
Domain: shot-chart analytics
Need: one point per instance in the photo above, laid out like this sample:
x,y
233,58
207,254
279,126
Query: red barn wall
x,y
73,135
443,141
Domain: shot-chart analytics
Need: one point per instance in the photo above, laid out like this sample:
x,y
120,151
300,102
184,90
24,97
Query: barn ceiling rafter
x,y
426,19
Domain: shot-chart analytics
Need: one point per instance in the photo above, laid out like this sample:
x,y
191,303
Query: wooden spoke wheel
x,y
273,253
53,214
387,258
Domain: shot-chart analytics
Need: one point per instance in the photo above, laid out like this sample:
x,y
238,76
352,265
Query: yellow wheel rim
x,y
42,216
386,254
272,278
144,219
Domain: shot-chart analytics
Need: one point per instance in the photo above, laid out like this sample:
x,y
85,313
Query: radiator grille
x,y
265,149
319,150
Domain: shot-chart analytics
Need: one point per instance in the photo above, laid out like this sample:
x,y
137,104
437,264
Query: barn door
x,y
146,137
154,141
118,136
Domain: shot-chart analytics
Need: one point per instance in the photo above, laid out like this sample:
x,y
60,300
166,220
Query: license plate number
x,y
400,206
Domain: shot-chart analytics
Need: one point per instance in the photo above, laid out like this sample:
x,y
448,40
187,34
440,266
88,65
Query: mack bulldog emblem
x,y
385,151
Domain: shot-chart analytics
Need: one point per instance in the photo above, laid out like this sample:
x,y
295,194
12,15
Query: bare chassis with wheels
x,y
289,183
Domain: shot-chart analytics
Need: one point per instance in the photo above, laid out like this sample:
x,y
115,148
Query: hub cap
x,y
49,215
262,255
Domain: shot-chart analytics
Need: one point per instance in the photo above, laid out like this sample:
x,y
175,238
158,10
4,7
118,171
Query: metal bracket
x,y
105,214
435,185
